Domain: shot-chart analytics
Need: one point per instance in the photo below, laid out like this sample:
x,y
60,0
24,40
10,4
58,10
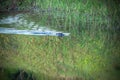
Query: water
x,y
35,29
32,32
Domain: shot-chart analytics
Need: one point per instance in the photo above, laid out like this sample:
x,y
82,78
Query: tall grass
x,y
91,52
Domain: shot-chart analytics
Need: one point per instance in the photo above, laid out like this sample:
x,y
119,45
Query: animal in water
x,y
60,34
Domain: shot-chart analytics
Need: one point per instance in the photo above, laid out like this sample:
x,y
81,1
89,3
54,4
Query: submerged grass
x,y
91,52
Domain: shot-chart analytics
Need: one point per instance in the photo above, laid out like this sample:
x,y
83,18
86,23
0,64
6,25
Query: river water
x,y
14,25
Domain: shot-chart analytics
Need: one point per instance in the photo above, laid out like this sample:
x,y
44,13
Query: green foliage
x,y
89,53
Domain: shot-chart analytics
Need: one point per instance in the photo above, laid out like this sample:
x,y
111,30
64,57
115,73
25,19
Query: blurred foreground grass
x,y
85,57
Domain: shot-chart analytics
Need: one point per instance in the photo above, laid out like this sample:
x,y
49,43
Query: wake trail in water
x,y
35,28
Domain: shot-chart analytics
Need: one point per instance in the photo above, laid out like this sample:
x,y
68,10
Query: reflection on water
x,y
35,28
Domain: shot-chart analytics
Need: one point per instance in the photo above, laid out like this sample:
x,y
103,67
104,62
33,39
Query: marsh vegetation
x,y
90,52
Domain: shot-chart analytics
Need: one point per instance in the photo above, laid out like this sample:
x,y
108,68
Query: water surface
x,y
19,25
